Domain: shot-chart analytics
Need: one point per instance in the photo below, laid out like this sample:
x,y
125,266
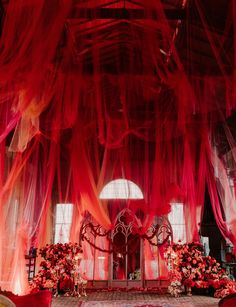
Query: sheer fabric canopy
x,y
88,96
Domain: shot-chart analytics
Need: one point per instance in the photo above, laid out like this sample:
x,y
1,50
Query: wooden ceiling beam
x,y
123,13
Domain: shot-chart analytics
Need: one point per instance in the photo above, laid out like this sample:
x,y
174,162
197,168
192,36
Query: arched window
x,y
121,189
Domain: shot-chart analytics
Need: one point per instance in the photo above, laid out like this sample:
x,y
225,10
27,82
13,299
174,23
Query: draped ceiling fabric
x,y
95,90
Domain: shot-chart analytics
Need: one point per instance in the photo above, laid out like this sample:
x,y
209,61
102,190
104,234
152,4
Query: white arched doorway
x,y
126,245
123,253
125,260
126,257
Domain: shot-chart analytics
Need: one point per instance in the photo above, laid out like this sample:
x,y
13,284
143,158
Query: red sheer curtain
x,y
85,101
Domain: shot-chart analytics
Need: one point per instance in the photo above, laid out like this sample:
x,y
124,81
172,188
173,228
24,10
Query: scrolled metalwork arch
x,y
160,230
126,222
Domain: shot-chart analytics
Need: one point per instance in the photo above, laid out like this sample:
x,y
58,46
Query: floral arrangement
x,y
197,270
175,288
59,266
226,288
190,268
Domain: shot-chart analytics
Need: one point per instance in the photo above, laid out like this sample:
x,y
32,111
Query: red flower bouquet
x,y
61,261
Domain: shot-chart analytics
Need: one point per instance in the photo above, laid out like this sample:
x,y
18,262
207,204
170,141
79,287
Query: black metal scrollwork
x,y
157,234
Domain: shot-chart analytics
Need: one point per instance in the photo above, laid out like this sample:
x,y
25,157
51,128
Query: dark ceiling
x,y
113,30
187,19
124,21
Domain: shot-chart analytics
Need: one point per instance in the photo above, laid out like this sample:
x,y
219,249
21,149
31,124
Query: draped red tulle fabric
x,y
86,100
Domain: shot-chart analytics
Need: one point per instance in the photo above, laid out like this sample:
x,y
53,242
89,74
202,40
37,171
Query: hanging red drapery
x,y
86,100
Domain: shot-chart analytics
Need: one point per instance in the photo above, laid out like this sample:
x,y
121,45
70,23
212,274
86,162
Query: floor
x,y
195,300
